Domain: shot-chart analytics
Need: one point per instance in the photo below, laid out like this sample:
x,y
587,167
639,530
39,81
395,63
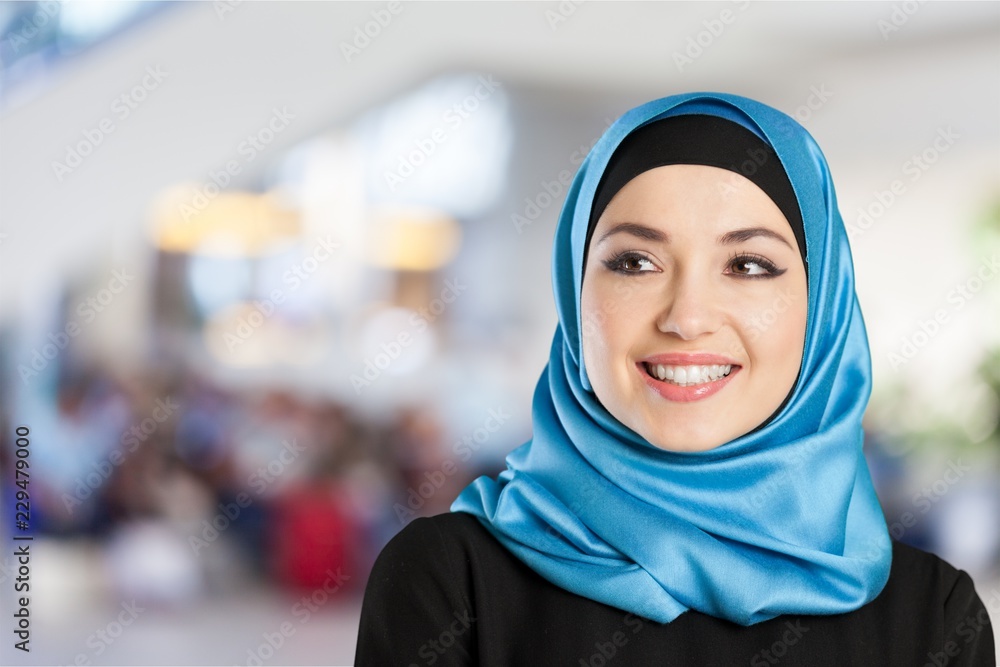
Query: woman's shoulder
x,y
428,538
432,551
419,594
448,526
920,580
940,580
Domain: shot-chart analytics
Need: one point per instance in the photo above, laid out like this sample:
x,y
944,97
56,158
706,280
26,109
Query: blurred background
x,y
276,280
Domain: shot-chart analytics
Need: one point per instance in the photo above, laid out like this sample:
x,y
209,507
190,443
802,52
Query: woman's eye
x,y
629,263
754,266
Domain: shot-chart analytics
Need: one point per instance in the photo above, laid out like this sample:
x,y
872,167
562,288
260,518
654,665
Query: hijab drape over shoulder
x,y
782,520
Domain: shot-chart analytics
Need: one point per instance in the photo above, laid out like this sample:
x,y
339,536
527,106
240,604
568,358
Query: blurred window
x,y
38,36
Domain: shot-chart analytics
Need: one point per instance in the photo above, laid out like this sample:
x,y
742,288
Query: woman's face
x,y
692,271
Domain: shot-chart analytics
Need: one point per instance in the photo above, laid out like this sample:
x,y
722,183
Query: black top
x,y
444,591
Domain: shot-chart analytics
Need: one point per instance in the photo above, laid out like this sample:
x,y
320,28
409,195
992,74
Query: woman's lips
x,y
710,366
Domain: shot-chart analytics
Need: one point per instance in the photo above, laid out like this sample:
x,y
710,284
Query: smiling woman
x,y
695,486
687,282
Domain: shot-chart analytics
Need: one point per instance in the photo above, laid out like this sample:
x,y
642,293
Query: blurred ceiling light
x,y
413,239
184,219
445,145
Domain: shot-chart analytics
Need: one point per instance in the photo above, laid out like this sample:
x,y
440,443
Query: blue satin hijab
x,y
782,520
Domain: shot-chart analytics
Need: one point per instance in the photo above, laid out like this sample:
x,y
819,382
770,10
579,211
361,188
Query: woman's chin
x,y
683,429
680,441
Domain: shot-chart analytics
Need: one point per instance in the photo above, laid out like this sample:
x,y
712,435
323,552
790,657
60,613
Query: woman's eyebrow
x,y
729,238
635,229
741,235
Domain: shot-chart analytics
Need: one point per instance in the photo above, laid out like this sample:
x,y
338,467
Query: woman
x,y
694,492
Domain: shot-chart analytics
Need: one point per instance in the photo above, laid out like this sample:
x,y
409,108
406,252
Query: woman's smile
x,y
685,377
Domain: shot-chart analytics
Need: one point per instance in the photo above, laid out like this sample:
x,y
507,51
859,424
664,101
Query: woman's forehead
x,y
710,197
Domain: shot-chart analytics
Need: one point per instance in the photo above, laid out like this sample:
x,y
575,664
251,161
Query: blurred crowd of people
x,y
191,488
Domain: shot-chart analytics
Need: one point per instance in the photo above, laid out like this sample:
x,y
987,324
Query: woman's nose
x,y
688,308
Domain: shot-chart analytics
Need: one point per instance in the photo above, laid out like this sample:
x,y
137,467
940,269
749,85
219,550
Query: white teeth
x,y
687,376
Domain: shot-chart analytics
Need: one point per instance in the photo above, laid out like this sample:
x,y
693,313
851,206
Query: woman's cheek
x,y
593,332
774,336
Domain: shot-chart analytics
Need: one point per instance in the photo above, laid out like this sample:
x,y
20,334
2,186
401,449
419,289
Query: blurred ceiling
x,y
892,76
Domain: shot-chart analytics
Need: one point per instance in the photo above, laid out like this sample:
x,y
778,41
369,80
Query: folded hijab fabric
x,y
782,520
